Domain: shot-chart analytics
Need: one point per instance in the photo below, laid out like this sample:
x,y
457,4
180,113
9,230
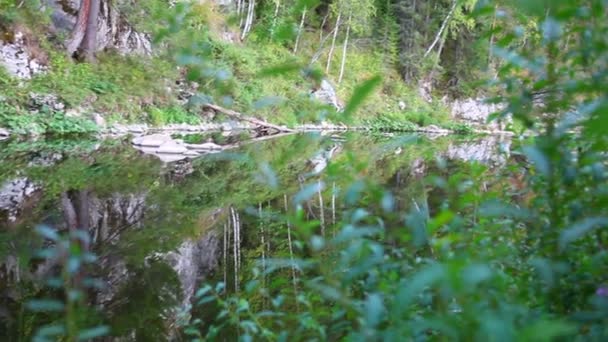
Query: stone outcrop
x,y
326,93
38,102
114,32
169,150
17,59
477,112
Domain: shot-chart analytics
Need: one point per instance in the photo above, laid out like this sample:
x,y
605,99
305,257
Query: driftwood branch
x,y
241,117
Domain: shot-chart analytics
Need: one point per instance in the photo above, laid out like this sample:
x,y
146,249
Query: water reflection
x,y
162,226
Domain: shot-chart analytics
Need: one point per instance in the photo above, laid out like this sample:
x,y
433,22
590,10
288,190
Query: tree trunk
x,y
293,265
89,43
80,28
249,18
492,38
443,26
333,42
344,50
275,18
295,48
322,26
69,212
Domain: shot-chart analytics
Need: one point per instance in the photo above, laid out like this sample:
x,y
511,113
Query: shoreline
x,y
118,130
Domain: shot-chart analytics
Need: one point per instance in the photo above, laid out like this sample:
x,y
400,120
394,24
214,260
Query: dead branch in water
x,y
239,116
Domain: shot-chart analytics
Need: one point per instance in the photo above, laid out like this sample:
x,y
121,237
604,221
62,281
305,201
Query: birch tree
x,y
360,13
300,29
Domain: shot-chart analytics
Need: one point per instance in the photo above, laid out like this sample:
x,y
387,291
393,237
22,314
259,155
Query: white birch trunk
x,y
293,266
275,18
225,254
333,204
443,26
300,28
322,26
344,50
321,211
333,43
236,259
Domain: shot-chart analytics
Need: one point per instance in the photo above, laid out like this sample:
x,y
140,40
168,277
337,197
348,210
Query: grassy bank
x,y
133,89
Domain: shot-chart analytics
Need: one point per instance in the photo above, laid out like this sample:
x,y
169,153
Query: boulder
x,y
326,93
152,140
204,146
172,147
4,134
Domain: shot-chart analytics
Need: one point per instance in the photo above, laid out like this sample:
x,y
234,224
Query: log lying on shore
x,y
238,116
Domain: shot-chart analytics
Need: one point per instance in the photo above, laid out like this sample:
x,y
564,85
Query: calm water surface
x,y
160,229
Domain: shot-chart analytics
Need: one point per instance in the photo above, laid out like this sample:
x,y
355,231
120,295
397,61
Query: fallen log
x,y
239,116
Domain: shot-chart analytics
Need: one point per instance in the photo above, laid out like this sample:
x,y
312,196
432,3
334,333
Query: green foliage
x,y
159,117
386,123
71,317
515,253
45,122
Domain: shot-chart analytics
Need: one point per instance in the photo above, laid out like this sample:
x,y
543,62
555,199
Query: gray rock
x,y
99,120
477,112
17,60
171,158
45,160
152,140
138,129
327,94
13,195
402,105
39,101
4,133
119,129
171,147
191,154
204,146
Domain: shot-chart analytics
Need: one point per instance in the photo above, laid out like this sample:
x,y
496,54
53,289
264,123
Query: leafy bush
x,y
515,254
45,122
170,115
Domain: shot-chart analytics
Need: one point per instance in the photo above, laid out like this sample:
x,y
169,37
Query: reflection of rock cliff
x,y
13,197
193,261
490,150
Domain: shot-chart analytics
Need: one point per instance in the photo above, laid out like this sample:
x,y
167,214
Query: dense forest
x,y
429,54
160,181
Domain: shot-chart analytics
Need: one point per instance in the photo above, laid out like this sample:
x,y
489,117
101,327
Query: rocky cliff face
x,y
491,150
477,113
194,261
114,32
326,94
13,197
17,59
